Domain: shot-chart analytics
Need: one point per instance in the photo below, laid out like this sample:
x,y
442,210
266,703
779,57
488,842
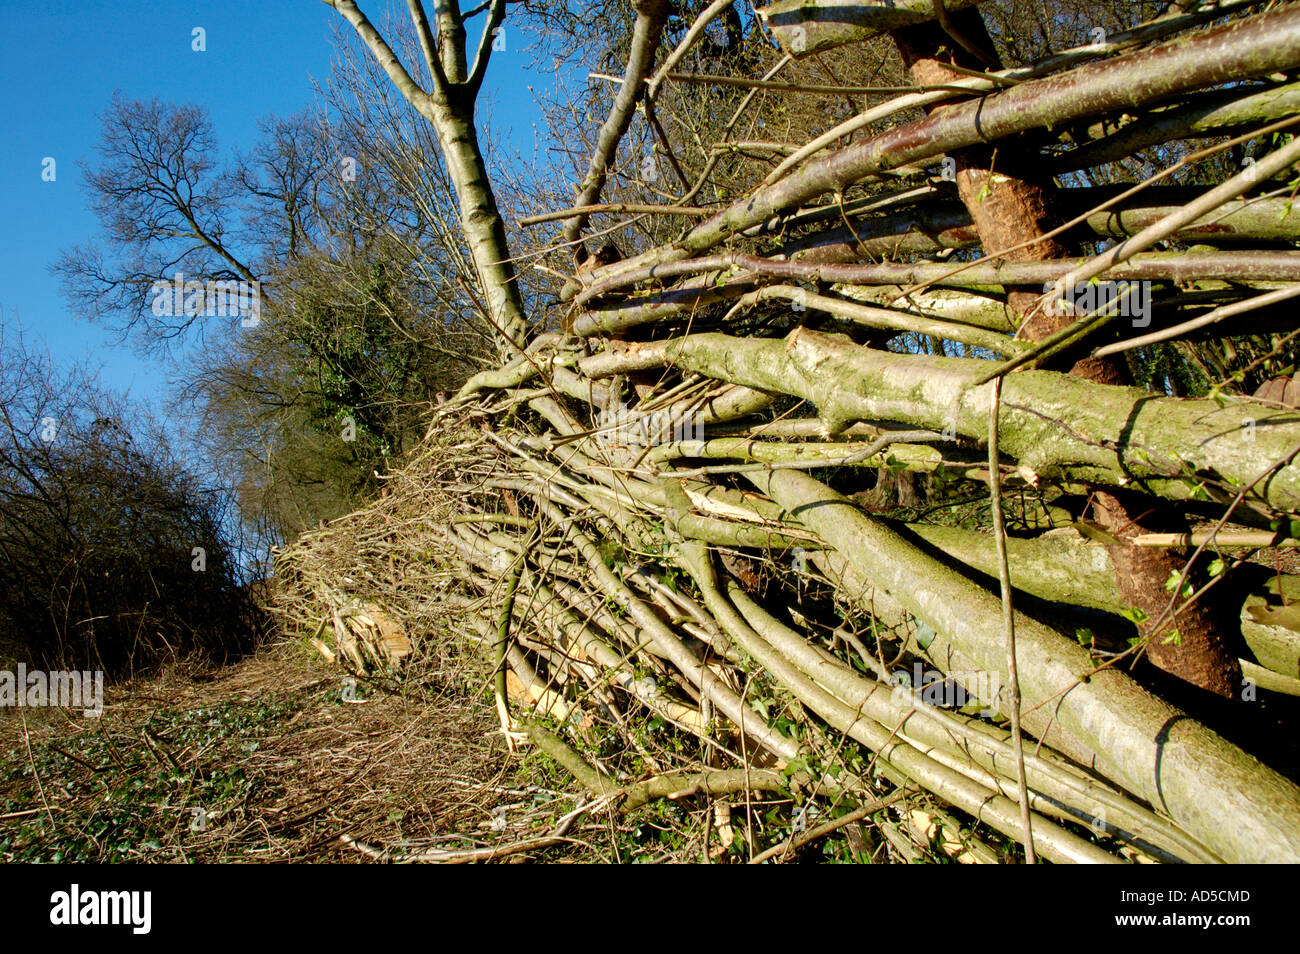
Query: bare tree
x,y
454,81
344,218
165,206
113,553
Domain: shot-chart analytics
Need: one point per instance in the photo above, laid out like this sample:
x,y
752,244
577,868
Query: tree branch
x,y
496,15
650,18
382,52
428,46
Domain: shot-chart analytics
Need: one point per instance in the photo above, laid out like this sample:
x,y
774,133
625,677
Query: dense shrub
x,y
112,554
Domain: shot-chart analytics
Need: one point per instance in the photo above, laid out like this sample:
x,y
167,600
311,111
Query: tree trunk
x,y
1010,211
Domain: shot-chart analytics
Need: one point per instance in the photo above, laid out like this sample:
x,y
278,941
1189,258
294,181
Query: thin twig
x,y
1008,618
795,842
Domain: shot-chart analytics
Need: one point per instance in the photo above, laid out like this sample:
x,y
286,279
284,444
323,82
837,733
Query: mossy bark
x,y
1053,425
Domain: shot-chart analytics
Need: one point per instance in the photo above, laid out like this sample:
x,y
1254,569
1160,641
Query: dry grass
x,y
279,765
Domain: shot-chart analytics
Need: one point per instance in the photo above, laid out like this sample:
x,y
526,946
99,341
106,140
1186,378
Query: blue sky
x,y
60,63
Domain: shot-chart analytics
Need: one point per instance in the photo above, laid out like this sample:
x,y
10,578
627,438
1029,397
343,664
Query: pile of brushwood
x,y
873,486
